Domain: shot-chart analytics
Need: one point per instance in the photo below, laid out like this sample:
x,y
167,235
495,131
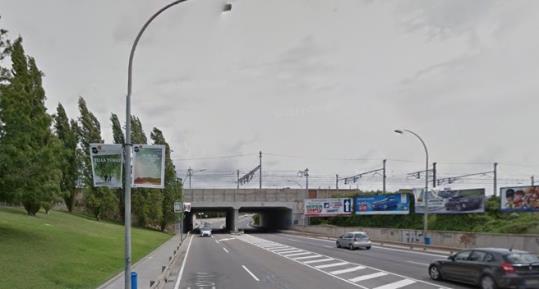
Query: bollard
x,y
163,268
134,280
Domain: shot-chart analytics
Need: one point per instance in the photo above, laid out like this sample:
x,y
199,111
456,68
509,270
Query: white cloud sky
x,y
318,79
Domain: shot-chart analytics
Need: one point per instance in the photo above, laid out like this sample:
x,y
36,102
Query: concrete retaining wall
x,y
439,238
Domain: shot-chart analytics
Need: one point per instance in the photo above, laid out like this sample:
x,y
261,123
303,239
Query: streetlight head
x,y
227,7
398,131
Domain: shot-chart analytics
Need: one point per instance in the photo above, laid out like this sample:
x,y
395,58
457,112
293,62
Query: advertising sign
x,y
178,206
149,166
522,198
107,165
448,201
328,207
387,204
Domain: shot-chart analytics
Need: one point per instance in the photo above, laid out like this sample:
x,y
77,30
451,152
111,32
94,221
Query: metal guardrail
x,y
162,278
383,243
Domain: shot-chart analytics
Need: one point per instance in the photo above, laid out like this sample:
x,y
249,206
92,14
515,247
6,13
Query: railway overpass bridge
x,y
278,208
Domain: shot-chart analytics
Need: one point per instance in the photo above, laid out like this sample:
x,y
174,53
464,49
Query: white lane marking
x,y
225,250
275,249
291,251
348,270
226,239
330,247
282,250
367,277
307,257
297,254
180,274
250,273
331,265
396,285
318,261
418,263
216,241
404,250
395,274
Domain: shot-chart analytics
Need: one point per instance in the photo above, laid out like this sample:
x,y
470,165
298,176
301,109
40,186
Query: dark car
x,y
489,268
388,203
462,203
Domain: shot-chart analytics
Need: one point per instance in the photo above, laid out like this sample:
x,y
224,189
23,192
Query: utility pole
x,y
495,179
238,179
384,176
260,170
337,181
189,175
434,174
533,181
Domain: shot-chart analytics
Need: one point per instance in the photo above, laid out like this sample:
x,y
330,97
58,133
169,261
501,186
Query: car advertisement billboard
x,y
386,204
328,207
448,201
523,198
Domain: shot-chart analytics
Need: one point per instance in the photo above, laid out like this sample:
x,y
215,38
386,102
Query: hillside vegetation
x,y
62,250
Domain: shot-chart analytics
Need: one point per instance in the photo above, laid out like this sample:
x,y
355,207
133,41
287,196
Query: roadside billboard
x,y
328,207
522,198
448,201
107,165
386,204
148,166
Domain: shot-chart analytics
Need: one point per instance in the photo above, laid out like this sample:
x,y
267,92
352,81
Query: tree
x,y
67,132
101,202
28,149
5,44
172,191
118,136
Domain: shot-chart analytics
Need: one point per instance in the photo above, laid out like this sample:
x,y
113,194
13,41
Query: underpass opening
x,y
218,218
264,219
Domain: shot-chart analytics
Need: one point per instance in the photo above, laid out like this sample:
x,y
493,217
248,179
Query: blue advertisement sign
x,y
387,204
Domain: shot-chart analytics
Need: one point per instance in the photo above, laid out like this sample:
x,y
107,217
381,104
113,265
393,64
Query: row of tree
x,y
45,158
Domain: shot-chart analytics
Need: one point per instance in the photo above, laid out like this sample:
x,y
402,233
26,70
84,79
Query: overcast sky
x,y
311,83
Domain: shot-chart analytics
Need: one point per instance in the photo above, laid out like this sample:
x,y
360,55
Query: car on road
x,y
464,203
489,268
205,232
354,240
388,203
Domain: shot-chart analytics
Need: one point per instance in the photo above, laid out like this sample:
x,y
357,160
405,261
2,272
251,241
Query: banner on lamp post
x,y
148,166
107,165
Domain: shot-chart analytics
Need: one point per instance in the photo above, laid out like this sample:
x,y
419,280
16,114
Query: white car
x,y
205,232
354,240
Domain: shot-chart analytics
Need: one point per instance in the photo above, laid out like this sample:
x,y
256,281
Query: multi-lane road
x,y
279,261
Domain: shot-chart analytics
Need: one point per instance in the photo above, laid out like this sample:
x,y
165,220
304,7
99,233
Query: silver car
x,y
205,232
354,240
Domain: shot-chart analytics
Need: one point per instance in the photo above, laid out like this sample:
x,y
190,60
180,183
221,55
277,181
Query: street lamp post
x,y
128,144
426,198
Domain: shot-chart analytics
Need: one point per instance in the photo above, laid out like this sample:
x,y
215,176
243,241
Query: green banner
x,y
107,165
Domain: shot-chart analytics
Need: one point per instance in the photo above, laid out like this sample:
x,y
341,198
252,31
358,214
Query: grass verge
x,y
61,250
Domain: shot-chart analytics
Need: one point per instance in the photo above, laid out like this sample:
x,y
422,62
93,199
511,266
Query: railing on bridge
x,y
244,195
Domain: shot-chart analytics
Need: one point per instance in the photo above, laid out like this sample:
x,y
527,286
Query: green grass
x,y
60,250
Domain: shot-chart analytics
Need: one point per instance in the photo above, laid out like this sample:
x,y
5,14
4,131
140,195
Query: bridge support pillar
x,y
235,219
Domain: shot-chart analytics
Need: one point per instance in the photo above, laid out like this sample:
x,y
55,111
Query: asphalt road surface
x,y
280,261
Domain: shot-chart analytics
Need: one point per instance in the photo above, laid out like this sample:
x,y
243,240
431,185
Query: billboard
x,y
523,198
107,165
448,201
327,207
387,204
148,166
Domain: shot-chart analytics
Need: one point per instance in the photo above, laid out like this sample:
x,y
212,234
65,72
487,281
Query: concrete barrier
x,y
450,239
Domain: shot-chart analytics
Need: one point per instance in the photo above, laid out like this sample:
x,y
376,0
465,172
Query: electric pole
x,y
384,176
533,181
260,168
495,179
434,174
337,181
